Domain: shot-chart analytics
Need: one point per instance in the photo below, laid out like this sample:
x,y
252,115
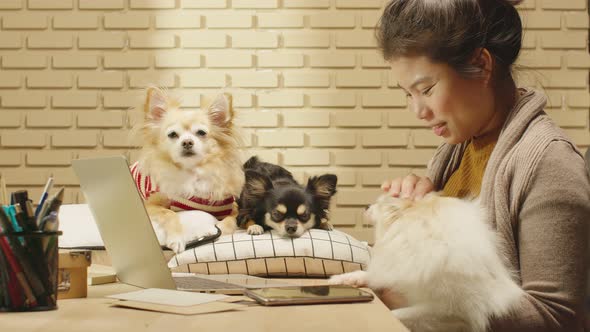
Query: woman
x,y
453,59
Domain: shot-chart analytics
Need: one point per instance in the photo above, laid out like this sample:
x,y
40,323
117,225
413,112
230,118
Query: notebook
x,y
129,238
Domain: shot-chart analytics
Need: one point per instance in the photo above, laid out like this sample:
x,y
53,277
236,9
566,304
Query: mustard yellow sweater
x,y
466,180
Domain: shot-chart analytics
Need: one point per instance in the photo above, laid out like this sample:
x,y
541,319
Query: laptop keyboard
x,y
202,283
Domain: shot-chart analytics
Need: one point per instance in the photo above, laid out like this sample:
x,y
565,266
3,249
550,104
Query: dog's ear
x,y
323,185
256,186
155,104
322,188
250,163
221,110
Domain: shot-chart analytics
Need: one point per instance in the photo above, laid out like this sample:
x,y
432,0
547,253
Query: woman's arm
x,y
552,239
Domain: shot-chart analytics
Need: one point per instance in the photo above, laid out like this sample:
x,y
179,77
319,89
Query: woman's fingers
x,y
395,187
409,187
423,187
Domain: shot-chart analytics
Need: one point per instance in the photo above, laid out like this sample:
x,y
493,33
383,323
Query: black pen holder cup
x,y
28,271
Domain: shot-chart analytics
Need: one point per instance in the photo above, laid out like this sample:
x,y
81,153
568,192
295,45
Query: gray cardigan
x,y
536,192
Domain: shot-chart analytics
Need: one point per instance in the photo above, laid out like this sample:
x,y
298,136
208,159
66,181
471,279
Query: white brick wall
x,y
313,92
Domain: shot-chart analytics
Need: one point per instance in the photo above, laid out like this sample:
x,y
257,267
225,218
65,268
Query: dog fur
x,y
188,153
443,259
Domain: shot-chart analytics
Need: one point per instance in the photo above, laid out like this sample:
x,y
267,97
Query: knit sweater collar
x,y
484,141
528,106
530,103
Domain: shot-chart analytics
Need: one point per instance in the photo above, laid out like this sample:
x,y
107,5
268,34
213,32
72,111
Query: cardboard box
x,y
72,276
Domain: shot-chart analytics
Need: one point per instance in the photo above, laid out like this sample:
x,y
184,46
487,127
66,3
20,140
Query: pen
x,y
19,197
38,283
42,213
50,222
14,292
14,213
22,256
53,206
44,195
19,274
11,211
49,225
5,224
30,216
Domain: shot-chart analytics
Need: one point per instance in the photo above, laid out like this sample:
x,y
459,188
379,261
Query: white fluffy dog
x,y
441,256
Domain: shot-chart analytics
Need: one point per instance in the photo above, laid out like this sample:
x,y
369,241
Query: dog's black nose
x,y
187,144
291,229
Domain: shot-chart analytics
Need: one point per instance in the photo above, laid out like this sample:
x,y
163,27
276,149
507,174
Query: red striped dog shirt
x,y
219,209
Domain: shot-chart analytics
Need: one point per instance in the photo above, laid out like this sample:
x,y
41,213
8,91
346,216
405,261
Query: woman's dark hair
x,y
450,31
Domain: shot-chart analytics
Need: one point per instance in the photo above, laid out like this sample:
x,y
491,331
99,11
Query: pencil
x,y
3,193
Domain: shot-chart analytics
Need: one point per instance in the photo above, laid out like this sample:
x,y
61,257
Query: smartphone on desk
x,y
308,295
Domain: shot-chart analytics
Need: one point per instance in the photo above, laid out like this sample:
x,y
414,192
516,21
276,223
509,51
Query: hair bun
x,y
513,2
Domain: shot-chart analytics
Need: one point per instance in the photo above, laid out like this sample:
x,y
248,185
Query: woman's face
x,y
456,108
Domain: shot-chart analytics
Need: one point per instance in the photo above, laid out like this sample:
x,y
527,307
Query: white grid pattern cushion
x,y
317,253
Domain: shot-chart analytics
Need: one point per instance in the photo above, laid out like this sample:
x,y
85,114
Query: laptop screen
x,y
123,222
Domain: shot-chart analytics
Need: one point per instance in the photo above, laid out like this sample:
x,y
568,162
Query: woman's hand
x,y
409,187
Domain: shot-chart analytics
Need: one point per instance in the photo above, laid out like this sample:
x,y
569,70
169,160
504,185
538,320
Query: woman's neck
x,y
506,98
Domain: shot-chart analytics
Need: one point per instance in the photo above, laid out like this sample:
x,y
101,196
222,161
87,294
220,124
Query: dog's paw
x,y
225,230
197,224
255,230
176,243
355,279
228,225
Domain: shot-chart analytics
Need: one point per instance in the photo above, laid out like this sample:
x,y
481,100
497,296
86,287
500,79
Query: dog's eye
x,y
276,215
305,216
172,134
201,133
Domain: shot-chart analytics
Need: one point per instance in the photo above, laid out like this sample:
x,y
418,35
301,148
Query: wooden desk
x,y
95,314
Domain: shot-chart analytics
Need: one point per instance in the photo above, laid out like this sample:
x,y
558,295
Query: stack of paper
x,y
176,302
101,274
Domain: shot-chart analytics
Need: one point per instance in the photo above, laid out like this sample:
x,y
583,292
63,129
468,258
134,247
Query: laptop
x,y
129,237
